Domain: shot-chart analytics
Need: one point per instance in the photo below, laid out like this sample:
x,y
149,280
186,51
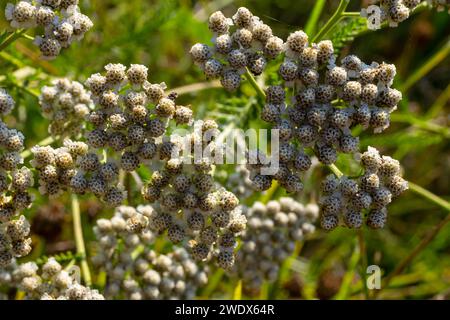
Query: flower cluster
x,y
14,184
395,11
239,182
50,282
133,269
129,121
249,46
270,238
65,104
329,101
190,203
73,167
345,198
61,21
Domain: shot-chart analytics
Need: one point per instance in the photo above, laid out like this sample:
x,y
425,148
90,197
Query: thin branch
x,y
11,38
79,240
363,260
311,24
255,85
429,196
335,18
430,63
338,173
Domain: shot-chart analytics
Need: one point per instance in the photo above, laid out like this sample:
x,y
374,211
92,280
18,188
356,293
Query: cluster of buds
x,y
272,232
73,167
189,204
395,11
239,182
66,104
14,184
321,115
345,198
134,271
128,122
249,46
49,282
61,22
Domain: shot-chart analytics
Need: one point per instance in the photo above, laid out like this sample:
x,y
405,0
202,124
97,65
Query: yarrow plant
x,y
61,22
187,221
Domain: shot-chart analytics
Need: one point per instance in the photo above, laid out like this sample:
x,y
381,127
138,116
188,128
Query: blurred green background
x,y
159,34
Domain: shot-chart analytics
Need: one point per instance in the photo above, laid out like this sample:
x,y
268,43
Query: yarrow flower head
x,y
345,199
189,204
248,46
48,282
66,104
329,101
239,182
149,274
61,22
129,119
15,181
270,238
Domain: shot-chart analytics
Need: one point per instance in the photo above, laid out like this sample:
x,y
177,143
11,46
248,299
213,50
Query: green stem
x,y
425,125
437,57
237,291
439,104
79,240
28,37
47,141
344,290
311,25
11,38
335,18
429,196
351,14
363,259
255,85
338,173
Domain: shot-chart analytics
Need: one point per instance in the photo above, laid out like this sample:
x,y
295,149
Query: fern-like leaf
x,y
346,31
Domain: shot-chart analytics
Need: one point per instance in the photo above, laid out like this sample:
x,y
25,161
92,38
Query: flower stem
x,y
255,85
311,24
11,38
338,173
79,240
422,124
429,196
335,18
430,63
237,291
45,142
363,260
